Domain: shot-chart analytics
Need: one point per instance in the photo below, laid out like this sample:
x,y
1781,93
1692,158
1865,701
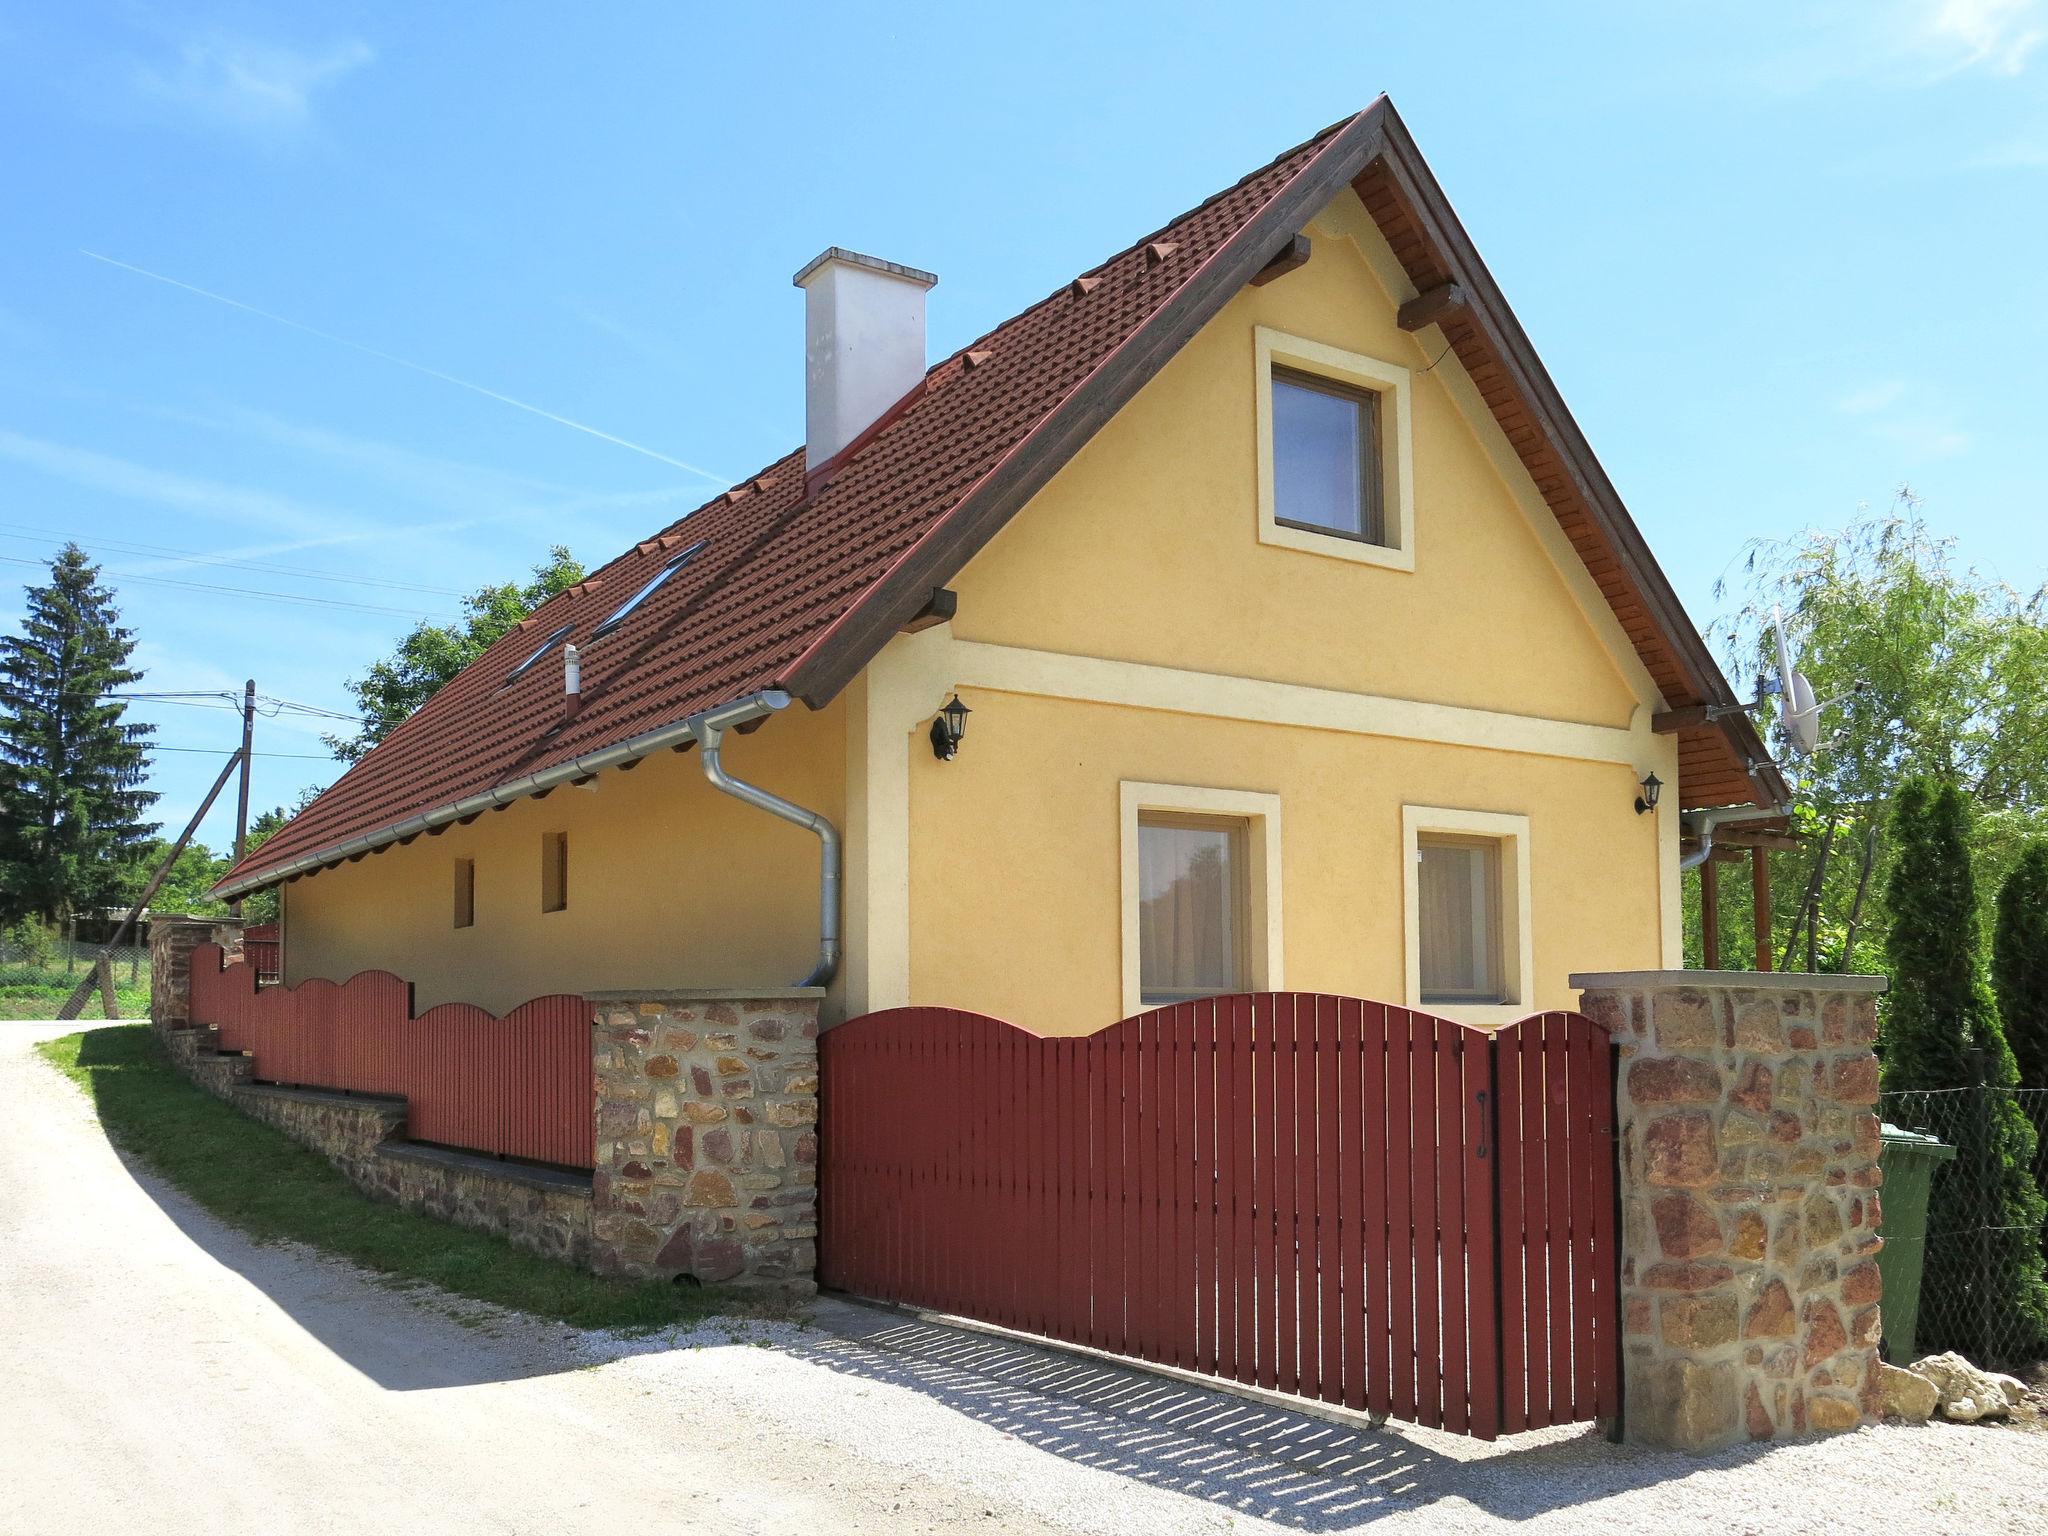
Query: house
x,y
1298,638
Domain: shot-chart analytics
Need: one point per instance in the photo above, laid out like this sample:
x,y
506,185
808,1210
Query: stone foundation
x,y
707,1146
1749,1192
544,1210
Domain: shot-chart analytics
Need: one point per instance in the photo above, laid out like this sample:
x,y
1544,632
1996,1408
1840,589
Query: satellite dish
x,y
1799,715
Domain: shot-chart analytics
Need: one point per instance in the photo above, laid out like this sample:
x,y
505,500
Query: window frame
x,y
1515,943
1260,933
1319,363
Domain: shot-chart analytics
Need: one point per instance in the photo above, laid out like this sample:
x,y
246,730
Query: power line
x,y
313,757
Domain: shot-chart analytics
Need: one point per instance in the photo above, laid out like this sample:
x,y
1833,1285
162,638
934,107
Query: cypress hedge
x,y
1941,1029
2019,963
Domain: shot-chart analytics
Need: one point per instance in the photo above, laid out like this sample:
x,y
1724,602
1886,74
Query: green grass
x,y
255,1178
32,994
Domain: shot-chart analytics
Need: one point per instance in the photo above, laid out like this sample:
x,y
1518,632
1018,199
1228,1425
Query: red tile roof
x,y
803,578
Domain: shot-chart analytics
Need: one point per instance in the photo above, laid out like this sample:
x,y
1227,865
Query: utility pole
x,y
242,794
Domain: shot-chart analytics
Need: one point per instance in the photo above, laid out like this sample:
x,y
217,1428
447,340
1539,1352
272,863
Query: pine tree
x,y
2019,963
1942,1028
71,811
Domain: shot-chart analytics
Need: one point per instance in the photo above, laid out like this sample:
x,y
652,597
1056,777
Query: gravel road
x,y
160,1370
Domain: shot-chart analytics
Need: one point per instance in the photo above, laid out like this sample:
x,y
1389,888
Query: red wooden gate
x,y
1326,1196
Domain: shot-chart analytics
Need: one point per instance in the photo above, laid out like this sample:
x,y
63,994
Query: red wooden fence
x,y
1326,1196
518,1085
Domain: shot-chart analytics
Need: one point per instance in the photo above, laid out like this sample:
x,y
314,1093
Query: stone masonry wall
x,y
172,939
707,1146
1749,1183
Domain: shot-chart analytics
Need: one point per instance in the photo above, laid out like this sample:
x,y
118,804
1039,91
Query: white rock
x,y
1906,1395
1966,1393
2013,1388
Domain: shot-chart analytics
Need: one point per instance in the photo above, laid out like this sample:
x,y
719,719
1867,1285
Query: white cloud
x,y
1998,35
236,82
1867,399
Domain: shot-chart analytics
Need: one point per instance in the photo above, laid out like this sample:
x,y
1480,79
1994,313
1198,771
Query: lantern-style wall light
x,y
1652,788
949,727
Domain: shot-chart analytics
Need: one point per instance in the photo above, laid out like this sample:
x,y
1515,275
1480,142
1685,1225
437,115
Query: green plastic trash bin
x,y
1908,1159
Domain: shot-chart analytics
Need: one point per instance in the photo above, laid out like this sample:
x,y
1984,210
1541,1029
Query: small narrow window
x,y
1458,919
1192,923
465,893
554,871
1327,462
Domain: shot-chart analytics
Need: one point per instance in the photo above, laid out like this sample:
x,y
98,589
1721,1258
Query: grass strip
x,y
257,1179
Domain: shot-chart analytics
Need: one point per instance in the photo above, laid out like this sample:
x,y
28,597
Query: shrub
x,y
1942,1031
2019,963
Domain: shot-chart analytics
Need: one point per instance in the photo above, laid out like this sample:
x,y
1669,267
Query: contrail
x,y
432,373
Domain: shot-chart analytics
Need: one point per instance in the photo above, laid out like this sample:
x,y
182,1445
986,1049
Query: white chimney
x,y
863,345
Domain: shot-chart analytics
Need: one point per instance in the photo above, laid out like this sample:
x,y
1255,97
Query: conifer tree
x,y
71,812
2019,963
1941,1025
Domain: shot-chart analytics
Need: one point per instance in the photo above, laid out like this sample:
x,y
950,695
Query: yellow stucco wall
x,y
1015,879
1145,546
671,884
1145,549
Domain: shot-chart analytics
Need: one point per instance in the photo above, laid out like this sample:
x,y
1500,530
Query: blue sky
x,y
1781,259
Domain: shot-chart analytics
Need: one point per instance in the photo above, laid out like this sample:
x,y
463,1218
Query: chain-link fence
x,y
1981,1290
37,976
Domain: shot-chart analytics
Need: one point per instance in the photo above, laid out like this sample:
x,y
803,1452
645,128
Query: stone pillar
x,y
172,938
1749,1201
706,1128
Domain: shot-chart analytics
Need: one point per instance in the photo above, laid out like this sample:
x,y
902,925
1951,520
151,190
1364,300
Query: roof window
x,y
539,653
625,609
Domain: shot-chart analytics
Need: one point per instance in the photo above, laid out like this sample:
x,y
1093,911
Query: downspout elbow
x,y
1709,820
709,731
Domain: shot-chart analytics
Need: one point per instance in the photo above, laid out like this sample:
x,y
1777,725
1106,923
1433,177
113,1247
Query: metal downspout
x,y
1708,820
708,730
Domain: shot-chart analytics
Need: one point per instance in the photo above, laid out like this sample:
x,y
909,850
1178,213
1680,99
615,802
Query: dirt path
x,y
159,1370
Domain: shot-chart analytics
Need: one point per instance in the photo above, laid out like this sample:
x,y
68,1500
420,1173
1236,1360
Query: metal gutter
x,y
1708,820
631,750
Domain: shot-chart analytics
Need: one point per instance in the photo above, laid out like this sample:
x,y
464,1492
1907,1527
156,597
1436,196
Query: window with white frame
x,y
1466,911
1201,892
1334,458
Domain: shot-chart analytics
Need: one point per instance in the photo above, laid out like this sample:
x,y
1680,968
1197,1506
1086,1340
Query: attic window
x,y
625,609
540,651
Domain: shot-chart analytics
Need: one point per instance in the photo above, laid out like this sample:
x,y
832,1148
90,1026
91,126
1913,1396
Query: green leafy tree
x,y
1940,1031
2019,963
433,653
1925,668
72,812
185,887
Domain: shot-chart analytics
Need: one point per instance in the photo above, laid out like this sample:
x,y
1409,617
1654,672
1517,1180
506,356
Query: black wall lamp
x,y
949,728
1652,788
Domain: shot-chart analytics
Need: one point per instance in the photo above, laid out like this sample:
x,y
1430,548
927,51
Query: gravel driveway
x,y
158,1369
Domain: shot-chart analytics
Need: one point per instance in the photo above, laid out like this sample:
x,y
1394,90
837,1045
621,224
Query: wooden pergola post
x,y
1710,917
1760,887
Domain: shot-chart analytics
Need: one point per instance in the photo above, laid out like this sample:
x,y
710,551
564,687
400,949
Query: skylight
x,y
625,609
540,651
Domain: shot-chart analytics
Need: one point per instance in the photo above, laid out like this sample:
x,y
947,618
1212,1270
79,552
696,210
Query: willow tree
x,y
1924,667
